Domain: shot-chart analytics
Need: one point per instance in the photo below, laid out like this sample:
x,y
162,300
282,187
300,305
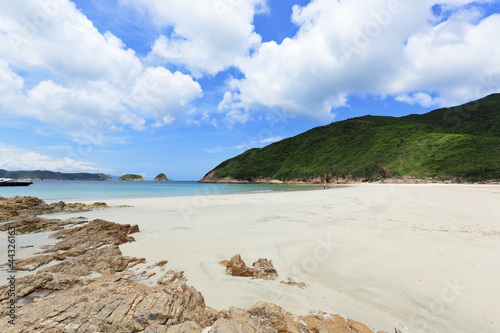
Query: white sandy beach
x,y
422,258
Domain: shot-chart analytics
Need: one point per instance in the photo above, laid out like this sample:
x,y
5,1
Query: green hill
x,y
50,175
161,178
130,177
462,143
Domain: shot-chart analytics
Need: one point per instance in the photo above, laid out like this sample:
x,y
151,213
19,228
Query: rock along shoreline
x,y
84,284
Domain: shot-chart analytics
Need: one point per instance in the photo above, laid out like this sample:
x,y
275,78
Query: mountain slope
x,y
460,142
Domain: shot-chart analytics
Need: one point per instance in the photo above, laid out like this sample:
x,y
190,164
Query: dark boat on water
x,y
14,182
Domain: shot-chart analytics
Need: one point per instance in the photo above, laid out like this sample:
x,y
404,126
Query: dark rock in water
x,y
262,268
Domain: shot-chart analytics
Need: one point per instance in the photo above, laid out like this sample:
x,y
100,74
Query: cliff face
x,y
161,178
458,144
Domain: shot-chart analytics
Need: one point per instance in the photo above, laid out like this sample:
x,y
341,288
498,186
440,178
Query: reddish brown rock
x,y
28,207
108,260
91,236
267,317
82,242
108,304
262,268
172,277
291,282
26,226
358,327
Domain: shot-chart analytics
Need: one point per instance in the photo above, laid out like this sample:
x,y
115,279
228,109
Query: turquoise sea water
x,y
95,190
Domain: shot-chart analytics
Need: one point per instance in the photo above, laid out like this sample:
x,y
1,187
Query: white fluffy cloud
x,y
15,158
378,47
208,35
74,77
158,88
56,67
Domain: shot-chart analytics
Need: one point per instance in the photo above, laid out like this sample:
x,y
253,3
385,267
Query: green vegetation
x,y
462,143
161,178
131,177
50,175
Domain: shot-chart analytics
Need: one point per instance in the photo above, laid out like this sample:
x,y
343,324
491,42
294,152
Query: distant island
x,y
161,178
458,144
51,175
131,177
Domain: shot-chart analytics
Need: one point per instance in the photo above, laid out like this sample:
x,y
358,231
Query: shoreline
x,y
393,248
384,254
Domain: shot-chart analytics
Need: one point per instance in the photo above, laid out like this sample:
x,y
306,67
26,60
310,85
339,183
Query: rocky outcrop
x,y
25,226
267,317
161,178
261,269
131,178
81,249
108,304
28,207
69,297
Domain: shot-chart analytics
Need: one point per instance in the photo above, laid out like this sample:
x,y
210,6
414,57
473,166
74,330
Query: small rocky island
x,y
161,178
130,178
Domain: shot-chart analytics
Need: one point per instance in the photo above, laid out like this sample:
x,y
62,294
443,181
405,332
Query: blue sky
x,y
178,86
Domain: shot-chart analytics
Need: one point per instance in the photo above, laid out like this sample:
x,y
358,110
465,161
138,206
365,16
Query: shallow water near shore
x,y
100,190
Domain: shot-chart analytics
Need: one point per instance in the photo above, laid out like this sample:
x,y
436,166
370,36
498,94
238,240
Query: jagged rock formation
x,y
161,178
24,207
25,226
111,303
267,317
69,297
82,247
261,269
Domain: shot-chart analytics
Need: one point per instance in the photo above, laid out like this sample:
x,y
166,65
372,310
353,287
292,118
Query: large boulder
x,y
261,269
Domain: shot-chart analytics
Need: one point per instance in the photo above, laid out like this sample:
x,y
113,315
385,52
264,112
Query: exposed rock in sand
x,y
60,298
25,226
108,260
267,317
26,207
85,242
262,268
108,304
291,282
172,277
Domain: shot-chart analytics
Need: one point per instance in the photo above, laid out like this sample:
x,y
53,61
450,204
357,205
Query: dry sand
x,y
422,258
